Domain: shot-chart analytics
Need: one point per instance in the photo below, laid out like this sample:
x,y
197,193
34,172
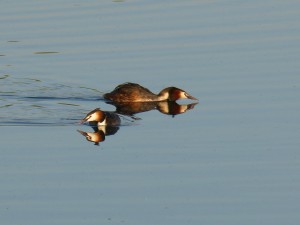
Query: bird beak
x,y
83,120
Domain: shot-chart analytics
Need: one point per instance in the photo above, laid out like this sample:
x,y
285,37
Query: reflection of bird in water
x,y
96,137
165,107
131,108
172,108
99,134
131,92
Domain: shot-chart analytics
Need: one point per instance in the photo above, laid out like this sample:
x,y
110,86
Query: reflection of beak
x,y
173,108
191,97
83,133
178,109
191,106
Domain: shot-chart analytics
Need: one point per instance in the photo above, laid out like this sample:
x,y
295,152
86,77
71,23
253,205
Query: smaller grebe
x,y
131,92
98,117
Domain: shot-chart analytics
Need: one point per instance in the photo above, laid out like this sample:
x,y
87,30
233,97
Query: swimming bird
x,y
132,92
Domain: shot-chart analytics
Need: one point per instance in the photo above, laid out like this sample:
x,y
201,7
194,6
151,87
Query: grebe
x,y
131,92
98,117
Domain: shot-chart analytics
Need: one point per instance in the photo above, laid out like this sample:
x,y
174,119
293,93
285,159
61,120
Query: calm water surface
x,y
232,159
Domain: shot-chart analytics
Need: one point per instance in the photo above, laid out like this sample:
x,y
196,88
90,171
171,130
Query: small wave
x,y
28,101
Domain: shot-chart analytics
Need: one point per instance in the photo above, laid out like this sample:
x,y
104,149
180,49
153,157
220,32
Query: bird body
x,y
132,92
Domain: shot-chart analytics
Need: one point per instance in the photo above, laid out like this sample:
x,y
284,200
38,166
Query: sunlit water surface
x,y
232,159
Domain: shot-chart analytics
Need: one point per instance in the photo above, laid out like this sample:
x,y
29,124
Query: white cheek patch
x,y
183,95
93,117
164,96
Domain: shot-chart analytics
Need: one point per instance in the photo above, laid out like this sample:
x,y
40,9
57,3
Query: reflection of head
x,y
172,108
99,133
95,137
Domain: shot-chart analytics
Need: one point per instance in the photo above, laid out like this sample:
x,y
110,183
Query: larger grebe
x,y
131,92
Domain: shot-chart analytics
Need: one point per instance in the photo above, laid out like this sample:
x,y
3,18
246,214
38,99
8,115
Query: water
x,y
232,159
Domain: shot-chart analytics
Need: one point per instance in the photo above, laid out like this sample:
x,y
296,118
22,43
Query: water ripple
x,y
28,101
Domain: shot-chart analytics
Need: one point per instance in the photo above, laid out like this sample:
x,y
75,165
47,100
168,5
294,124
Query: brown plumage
x,y
131,92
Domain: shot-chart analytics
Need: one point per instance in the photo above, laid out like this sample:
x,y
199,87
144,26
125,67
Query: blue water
x,y
232,159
